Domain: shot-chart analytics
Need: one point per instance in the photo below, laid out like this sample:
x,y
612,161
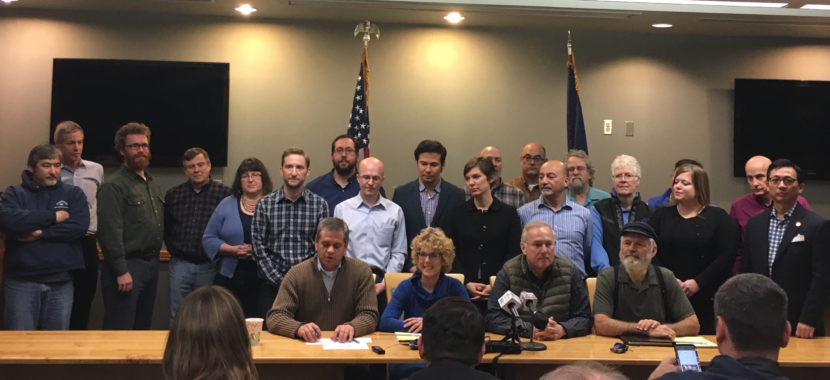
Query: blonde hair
x,y
434,238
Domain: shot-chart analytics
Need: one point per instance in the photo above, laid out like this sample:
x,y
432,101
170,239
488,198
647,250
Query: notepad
x,y
697,341
406,337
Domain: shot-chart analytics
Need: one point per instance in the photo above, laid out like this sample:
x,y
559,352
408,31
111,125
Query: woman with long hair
x,y
208,339
227,237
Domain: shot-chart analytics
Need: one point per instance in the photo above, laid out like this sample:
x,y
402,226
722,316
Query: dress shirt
x,y
508,194
88,176
429,202
532,192
186,214
776,233
594,195
377,234
326,187
749,205
573,228
328,277
282,233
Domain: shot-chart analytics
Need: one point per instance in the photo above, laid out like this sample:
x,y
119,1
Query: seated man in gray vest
x,y
554,280
637,297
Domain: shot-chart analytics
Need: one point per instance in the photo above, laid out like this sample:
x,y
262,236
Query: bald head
x,y
553,179
370,179
494,155
756,175
533,155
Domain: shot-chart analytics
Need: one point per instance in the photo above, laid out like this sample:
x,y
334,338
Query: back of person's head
x,y
584,371
754,309
453,329
208,339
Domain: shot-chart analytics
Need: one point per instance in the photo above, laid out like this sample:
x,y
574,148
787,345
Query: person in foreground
x,y
433,253
637,297
326,292
555,280
208,339
584,370
452,341
751,327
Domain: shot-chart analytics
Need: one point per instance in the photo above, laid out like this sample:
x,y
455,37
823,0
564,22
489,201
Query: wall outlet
x,y
606,127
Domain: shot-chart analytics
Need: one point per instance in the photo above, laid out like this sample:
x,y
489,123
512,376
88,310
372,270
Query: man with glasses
x,y
532,157
130,232
284,224
187,210
789,244
378,230
341,182
581,173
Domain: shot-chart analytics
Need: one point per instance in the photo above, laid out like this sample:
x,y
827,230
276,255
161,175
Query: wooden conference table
x,y
125,355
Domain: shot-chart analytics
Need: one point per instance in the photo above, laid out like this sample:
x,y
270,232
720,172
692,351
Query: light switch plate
x,y
607,127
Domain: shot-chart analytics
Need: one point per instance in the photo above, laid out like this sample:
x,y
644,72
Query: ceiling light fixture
x,y
245,9
753,4
9,1
661,25
454,17
821,7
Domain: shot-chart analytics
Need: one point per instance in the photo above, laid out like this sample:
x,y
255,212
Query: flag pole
x,y
359,122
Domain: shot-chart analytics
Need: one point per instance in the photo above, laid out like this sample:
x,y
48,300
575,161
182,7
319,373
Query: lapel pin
x,y
798,224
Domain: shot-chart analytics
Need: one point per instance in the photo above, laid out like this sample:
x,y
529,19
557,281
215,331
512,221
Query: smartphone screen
x,y
687,357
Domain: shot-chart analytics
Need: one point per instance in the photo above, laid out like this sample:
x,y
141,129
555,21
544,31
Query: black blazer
x,y
409,198
801,267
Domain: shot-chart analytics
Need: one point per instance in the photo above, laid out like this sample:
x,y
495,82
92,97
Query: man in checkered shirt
x,y
284,225
187,210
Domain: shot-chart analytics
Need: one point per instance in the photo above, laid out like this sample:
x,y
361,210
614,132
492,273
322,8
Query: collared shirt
x,y
532,192
508,194
186,214
594,195
326,187
429,202
641,301
88,176
282,233
572,226
328,277
749,205
377,234
131,218
776,232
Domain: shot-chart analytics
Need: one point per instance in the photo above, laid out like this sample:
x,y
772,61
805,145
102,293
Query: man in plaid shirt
x,y
284,225
187,210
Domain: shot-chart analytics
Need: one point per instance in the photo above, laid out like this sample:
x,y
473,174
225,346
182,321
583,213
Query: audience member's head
x,y
344,154
691,177
432,241
208,339
251,170
785,163
756,175
580,170
625,175
484,164
751,317
453,329
584,370
532,157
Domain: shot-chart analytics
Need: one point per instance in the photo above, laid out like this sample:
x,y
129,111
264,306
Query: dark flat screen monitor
x,y
185,104
783,119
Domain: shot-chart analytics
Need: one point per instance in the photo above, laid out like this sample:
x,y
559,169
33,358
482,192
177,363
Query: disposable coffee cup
x,y
254,326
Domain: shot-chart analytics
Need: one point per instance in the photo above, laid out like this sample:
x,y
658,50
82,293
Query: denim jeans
x,y
186,277
37,305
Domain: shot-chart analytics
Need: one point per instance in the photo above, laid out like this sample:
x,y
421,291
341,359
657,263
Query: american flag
x,y
359,120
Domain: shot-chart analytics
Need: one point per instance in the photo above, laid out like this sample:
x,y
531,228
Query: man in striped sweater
x,y
326,292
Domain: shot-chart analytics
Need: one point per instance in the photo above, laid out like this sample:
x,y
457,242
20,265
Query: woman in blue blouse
x,y
227,237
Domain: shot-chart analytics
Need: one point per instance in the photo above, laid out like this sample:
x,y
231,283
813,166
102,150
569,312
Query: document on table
x,y
697,341
406,337
358,344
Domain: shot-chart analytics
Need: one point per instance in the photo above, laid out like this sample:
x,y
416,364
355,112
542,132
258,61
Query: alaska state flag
x,y
576,124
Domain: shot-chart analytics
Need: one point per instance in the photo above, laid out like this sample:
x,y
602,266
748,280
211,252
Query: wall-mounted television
x,y
185,104
783,119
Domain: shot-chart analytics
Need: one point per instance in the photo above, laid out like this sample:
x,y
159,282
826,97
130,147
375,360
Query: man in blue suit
x,y
427,200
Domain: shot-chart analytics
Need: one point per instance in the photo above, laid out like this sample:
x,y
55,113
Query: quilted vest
x,y
611,217
554,293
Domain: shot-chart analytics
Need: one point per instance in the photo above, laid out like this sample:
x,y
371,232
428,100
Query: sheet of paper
x,y
697,341
360,344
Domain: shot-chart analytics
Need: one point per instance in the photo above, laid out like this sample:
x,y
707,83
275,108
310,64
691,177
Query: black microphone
x,y
539,320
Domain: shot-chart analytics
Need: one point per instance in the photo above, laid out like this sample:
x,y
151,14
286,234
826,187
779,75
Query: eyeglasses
x,y
528,157
431,256
138,146
625,176
252,175
788,181
344,150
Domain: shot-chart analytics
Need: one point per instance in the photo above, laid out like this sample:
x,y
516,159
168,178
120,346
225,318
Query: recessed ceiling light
x,y
9,1
754,4
454,17
245,9
823,7
661,25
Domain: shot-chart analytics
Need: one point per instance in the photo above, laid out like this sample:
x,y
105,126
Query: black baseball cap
x,y
641,228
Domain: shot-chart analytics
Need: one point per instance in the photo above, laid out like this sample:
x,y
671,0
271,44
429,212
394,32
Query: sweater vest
x,y
611,218
554,292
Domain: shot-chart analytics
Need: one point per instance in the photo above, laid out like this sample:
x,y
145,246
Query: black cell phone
x,y
378,350
687,357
